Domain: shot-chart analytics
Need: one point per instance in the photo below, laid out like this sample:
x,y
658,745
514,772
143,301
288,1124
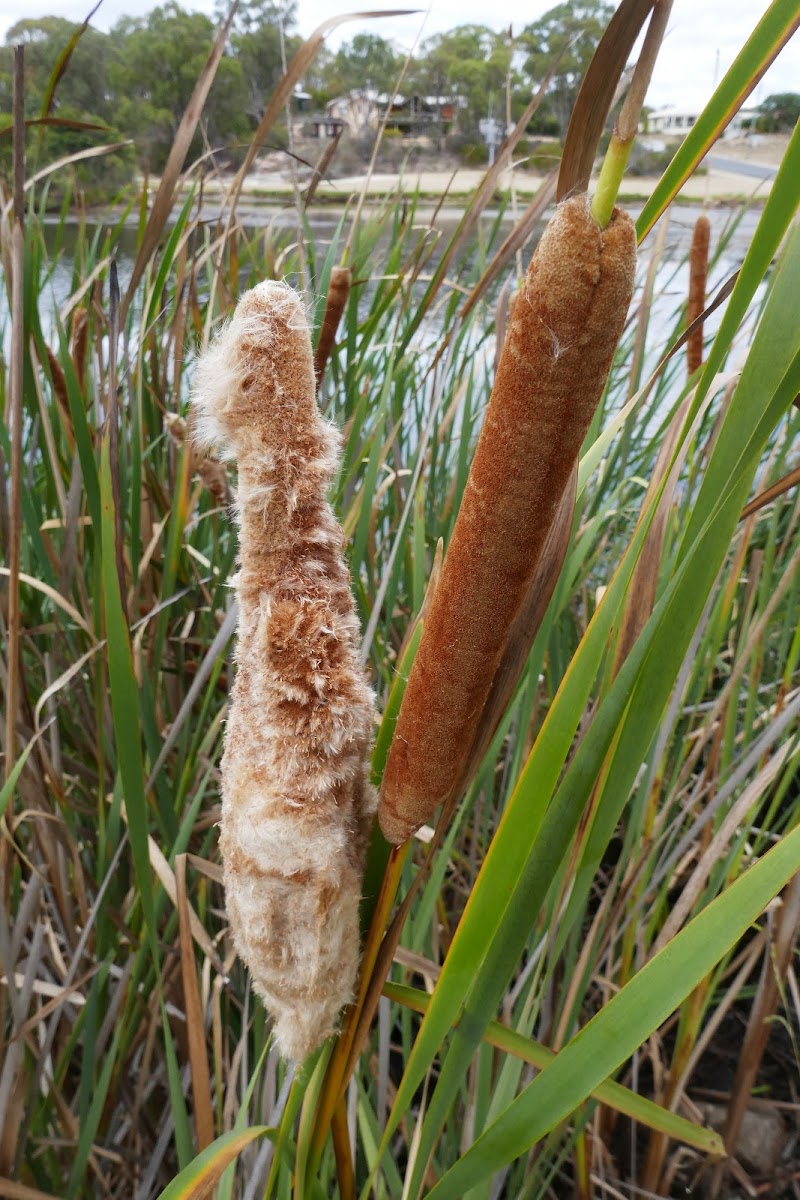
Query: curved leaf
x,y
196,1180
625,1022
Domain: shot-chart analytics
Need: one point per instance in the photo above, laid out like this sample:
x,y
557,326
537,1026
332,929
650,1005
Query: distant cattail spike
x,y
211,472
297,804
338,293
698,275
561,338
61,394
80,342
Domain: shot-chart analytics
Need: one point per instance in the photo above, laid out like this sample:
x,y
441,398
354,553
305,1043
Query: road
x,y
738,166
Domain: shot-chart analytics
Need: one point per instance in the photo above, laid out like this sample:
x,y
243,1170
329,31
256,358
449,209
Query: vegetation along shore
x,y
399,593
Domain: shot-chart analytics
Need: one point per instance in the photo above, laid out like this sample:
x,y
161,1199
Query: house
x,y
360,111
676,122
672,121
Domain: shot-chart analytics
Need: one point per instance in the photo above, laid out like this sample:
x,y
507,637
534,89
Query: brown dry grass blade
x,y
523,631
343,1152
195,1024
515,240
321,169
722,295
59,123
10,1190
294,72
166,877
771,493
162,205
503,308
597,94
14,409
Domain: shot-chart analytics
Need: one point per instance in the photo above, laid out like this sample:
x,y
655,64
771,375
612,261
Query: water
x,y
323,223
671,287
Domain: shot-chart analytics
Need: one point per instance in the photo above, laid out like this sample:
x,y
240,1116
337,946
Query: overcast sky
x,y
699,31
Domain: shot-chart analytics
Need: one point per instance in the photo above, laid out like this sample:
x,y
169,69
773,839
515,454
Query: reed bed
x,y
572,953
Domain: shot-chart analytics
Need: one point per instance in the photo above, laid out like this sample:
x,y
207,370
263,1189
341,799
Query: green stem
x,y
608,184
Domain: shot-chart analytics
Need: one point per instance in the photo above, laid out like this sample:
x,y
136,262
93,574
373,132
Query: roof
x,y
674,111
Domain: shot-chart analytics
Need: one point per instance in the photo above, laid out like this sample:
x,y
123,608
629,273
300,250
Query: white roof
x,y
672,111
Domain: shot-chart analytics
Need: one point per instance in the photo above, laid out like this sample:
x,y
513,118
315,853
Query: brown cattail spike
x,y
561,338
698,273
80,341
338,292
297,804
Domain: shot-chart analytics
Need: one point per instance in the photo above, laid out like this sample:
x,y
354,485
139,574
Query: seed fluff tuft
x,y
297,803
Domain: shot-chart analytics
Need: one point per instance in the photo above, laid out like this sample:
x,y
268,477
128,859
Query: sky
x,y
700,31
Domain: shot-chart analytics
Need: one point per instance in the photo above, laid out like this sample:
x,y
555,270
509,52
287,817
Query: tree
x,y
82,95
469,64
367,65
83,88
153,75
779,112
575,29
256,44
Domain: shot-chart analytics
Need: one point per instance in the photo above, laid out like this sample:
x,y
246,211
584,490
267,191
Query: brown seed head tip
x,y
394,828
580,239
297,1037
266,340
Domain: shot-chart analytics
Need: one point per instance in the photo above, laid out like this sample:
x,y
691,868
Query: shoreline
x,y
451,189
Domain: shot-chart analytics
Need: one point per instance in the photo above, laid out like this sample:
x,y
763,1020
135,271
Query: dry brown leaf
x,y
165,196
597,94
772,493
166,878
195,1023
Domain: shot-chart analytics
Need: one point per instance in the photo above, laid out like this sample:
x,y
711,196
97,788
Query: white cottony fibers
x,y
297,804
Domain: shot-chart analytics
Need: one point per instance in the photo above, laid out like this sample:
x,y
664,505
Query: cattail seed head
x,y
297,803
698,276
338,292
561,338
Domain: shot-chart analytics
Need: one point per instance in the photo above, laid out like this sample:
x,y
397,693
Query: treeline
x,y
131,85
135,81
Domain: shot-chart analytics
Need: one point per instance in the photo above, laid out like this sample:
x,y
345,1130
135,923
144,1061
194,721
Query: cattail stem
x,y
609,180
15,403
561,338
698,278
627,123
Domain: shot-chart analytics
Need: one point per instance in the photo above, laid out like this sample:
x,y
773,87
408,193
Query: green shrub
x,y
99,179
471,151
543,156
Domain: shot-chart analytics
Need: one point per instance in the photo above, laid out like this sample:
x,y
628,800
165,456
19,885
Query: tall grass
x,y
568,951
